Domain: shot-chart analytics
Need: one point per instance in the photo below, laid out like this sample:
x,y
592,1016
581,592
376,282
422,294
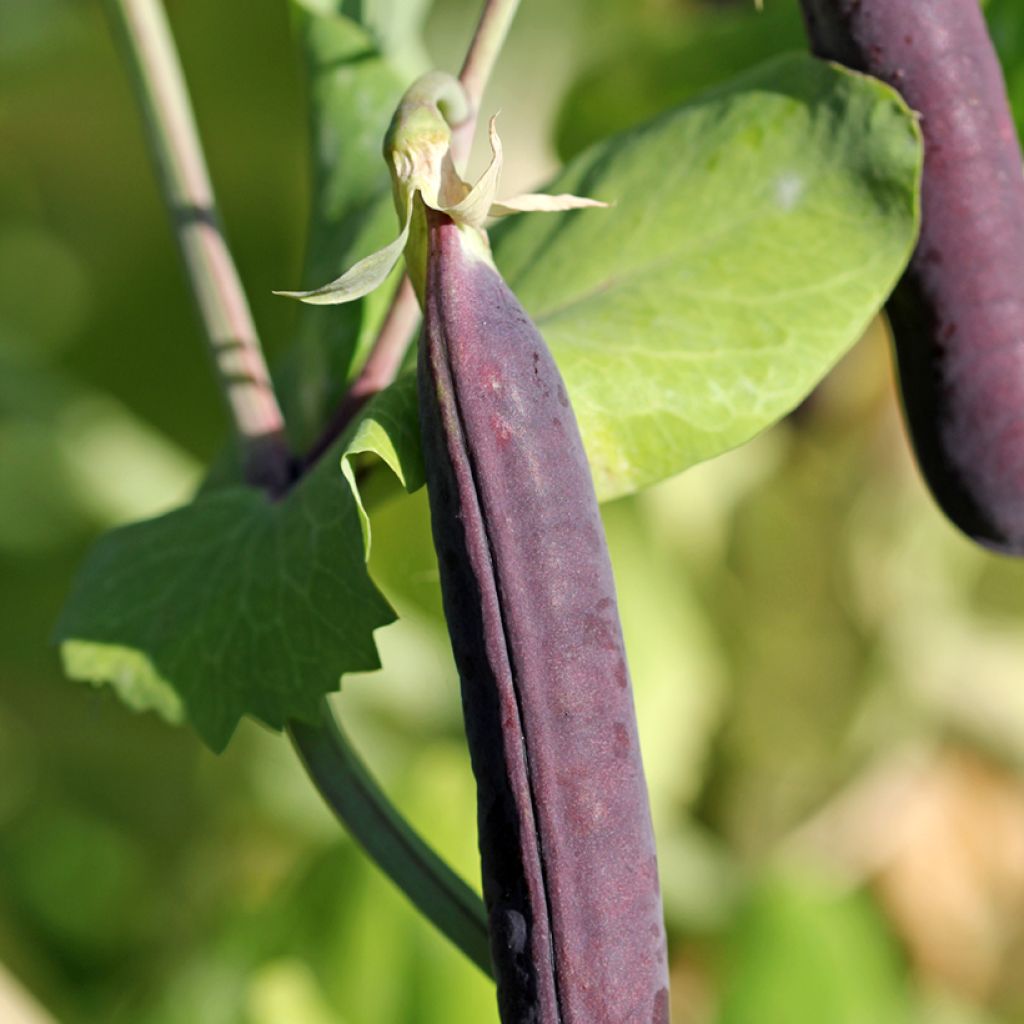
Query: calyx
x,y
417,149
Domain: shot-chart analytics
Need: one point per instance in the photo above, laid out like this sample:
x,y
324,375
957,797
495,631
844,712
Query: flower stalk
x,y
482,55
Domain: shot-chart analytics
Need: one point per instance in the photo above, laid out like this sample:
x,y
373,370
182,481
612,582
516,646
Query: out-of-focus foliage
x,y
828,676
666,56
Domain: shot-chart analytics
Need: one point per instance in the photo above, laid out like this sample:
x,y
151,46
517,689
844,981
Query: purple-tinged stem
x,y
214,280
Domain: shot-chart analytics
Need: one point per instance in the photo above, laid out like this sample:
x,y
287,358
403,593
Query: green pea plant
x,y
676,289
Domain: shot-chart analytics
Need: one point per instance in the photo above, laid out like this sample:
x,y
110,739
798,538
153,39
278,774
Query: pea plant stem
x,y
332,764
351,792
379,370
482,55
215,284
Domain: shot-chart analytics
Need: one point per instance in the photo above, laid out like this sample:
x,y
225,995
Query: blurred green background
x,y
830,680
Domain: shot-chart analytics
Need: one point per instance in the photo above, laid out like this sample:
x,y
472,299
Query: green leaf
x,y
355,83
755,233
354,88
396,27
801,955
236,605
388,429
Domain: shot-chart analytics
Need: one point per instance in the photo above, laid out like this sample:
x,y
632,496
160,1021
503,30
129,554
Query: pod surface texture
x,y
568,860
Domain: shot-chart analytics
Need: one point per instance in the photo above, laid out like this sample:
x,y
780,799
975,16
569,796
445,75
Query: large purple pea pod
x,y
958,314
569,870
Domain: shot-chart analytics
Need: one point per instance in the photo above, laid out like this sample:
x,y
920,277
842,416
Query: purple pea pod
x,y
569,869
958,313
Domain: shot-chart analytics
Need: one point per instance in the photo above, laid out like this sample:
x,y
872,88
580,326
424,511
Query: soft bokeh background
x,y
830,680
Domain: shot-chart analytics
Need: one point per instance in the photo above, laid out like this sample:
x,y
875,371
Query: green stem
x,y
482,55
213,277
364,809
